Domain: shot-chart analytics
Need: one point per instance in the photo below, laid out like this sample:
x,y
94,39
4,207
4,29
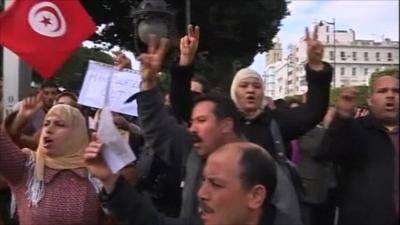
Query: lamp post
x,y
333,23
151,17
188,6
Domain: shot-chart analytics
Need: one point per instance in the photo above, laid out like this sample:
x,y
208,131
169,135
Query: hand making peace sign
x,y
151,62
315,50
188,45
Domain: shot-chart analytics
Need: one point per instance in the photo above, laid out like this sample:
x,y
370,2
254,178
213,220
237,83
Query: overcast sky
x,y
370,19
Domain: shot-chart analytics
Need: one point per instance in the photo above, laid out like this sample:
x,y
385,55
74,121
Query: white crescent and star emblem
x,y
46,19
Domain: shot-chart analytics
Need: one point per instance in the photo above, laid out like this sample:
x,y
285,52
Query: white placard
x,y
116,151
105,85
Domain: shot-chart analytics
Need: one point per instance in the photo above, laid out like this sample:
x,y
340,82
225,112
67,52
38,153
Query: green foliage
x,y
72,73
394,71
231,30
362,97
364,90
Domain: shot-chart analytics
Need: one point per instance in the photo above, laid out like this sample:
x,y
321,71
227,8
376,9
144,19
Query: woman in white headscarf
x,y
52,185
247,91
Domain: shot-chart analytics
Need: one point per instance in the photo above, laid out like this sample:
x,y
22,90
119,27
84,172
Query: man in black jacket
x,y
367,149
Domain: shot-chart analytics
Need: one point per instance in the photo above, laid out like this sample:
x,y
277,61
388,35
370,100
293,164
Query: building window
x,y
341,71
327,38
365,71
366,56
354,54
331,55
390,55
327,29
353,71
377,56
342,56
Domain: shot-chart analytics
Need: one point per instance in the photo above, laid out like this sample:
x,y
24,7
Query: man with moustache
x,y
214,122
238,181
367,150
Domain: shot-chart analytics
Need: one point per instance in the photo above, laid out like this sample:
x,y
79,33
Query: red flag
x,y
45,32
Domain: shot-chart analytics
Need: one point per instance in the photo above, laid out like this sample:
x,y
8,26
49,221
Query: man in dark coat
x,y
367,149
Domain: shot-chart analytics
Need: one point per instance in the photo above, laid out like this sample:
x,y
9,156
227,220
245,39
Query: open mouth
x,y
250,99
196,140
47,142
389,106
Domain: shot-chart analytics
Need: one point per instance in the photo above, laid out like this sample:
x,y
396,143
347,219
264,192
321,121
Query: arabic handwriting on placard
x,y
106,85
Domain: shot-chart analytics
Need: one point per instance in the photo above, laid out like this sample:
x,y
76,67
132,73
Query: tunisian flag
x,y
45,32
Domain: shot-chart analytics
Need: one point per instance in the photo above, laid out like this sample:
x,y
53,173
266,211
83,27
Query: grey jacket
x,y
317,176
167,139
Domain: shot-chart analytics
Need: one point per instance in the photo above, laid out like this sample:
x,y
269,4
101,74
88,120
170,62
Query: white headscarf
x,y
240,75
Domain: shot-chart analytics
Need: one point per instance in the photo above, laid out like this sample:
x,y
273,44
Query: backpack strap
x,y
278,141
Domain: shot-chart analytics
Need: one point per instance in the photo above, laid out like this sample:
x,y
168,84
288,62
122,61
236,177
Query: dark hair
x,y
67,93
49,84
281,104
224,108
257,167
202,81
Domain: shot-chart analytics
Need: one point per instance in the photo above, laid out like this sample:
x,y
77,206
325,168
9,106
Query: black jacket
x,y
292,122
163,161
365,153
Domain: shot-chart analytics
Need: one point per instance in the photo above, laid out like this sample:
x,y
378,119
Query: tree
x,y
394,71
362,94
71,74
232,31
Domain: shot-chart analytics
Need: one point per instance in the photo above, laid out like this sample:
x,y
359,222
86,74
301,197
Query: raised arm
x,y
119,197
12,159
297,121
344,133
182,74
15,125
162,133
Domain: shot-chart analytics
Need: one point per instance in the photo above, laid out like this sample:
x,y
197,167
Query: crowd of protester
x,y
206,157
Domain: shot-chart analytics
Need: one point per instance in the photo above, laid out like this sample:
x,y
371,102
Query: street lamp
x,y
151,17
188,5
333,23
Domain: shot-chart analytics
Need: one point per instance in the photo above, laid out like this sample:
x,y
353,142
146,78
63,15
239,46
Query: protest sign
x,y
105,85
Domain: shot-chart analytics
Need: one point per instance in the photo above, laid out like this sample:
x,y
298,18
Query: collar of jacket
x,y
371,122
264,117
51,173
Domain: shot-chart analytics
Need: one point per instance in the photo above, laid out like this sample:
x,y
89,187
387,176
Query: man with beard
x,y
367,150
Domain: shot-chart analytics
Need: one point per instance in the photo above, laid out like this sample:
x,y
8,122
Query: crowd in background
x,y
206,157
